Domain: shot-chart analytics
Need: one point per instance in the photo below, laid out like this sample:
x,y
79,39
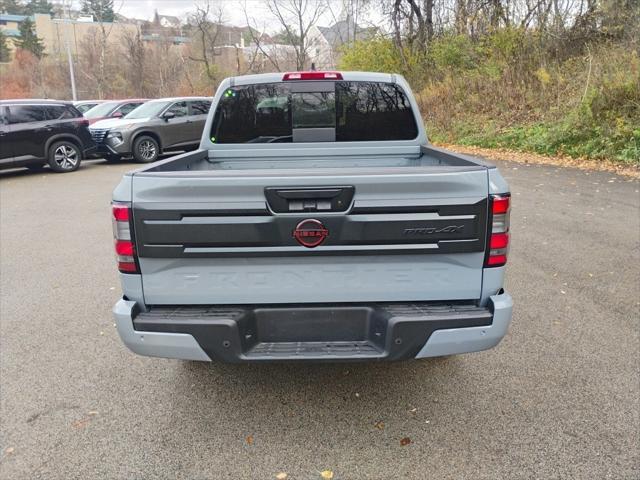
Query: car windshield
x,y
102,110
147,110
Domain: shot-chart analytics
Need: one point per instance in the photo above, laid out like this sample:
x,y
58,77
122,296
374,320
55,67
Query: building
x,y
168,21
10,26
55,33
325,43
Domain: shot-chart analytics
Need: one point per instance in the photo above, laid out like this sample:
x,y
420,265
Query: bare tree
x,y
135,60
207,21
296,18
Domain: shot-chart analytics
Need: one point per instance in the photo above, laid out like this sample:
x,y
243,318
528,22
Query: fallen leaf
x,y
357,395
92,412
80,423
282,476
427,421
379,425
9,450
413,410
563,292
249,440
326,474
405,441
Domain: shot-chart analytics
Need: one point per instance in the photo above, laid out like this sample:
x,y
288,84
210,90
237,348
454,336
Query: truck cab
x,y
316,222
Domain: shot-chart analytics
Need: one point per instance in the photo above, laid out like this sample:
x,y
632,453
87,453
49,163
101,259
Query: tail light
x,y
124,244
312,76
499,236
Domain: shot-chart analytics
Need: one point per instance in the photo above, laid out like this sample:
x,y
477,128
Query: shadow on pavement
x,y
350,387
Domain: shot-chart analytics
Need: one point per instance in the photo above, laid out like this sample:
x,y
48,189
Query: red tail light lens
x,y
312,76
124,248
499,235
121,213
124,244
496,260
127,267
501,204
499,240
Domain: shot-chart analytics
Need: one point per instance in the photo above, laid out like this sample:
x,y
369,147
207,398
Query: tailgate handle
x,y
314,199
308,194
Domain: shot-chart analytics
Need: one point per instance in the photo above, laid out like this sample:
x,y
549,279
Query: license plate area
x,y
315,324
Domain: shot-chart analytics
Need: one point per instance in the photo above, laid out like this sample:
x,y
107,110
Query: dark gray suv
x,y
38,132
167,124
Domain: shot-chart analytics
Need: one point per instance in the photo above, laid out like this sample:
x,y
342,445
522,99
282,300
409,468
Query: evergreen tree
x,y
5,54
12,7
29,40
102,10
38,6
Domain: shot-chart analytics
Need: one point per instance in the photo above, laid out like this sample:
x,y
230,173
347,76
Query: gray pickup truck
x,y
315,222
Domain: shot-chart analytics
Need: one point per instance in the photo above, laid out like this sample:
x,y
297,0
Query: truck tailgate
x,y
229,237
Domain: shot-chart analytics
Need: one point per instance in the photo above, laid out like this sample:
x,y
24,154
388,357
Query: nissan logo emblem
x,y
310,233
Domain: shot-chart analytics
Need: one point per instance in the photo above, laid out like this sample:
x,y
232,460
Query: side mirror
x,y
117,115
168,116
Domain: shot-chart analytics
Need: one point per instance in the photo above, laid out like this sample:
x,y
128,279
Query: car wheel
x,y
112,158
145,149
64,157
36,167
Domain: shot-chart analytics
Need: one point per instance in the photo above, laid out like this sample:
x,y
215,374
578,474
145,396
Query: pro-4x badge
x,y
310,233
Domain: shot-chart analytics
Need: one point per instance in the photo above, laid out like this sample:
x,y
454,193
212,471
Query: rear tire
x,y
145,149
64,156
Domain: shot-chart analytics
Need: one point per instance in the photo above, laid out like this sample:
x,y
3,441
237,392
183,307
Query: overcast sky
x,y
233,10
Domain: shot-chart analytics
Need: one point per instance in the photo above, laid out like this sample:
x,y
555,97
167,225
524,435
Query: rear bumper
x,y
317,333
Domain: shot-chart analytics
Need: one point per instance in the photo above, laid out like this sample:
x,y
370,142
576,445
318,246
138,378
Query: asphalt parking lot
x,y
558,398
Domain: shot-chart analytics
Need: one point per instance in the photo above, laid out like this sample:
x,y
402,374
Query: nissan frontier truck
x,y
315,223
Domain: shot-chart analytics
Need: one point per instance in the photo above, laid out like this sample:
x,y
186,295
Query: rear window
x,y
349,112
200,107
26,113
61,112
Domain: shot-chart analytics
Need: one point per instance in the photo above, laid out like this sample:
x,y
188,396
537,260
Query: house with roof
x,y
325,43
169,21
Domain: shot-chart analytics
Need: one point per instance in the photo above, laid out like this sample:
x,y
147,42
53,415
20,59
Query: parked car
x,y
168,124
112,109
35,132
85,105
315,222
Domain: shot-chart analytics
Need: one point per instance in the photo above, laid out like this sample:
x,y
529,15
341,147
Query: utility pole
x,y
72,74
